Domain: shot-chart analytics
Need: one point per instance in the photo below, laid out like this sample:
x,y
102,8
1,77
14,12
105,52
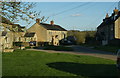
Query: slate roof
x,y
4,33
5,20
109,20
52,27
19,27
31,34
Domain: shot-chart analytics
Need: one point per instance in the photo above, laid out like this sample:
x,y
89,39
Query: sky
x,y
75,15
66,0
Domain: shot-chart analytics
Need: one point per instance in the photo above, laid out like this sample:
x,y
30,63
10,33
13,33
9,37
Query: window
x,y
50,33
19,39
6,39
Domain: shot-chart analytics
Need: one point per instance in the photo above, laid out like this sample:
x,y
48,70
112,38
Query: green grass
x,y
35,63
58,48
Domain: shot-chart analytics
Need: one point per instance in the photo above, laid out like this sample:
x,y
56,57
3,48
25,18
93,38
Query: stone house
x,y
117,27
108,32
9,34
6,36
6,39
47,34
29,39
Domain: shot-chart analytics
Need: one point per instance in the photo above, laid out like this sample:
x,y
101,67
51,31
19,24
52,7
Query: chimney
x,y
116,11
52,22
38,20
107,16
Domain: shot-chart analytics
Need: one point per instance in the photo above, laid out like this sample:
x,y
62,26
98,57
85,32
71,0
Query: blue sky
x,y
75,15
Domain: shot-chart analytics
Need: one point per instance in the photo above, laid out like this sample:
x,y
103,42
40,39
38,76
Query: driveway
x,y
80,50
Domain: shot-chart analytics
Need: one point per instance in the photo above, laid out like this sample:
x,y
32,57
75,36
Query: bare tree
x,y
20,10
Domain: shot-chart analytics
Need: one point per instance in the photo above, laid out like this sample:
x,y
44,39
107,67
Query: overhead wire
x,y
83,5
79,6
70,9
84,9
96,20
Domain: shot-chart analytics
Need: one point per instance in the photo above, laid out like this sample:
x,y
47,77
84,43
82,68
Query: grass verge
x,y
36,63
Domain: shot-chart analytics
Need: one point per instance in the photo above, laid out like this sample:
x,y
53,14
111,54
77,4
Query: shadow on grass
x,y
87,70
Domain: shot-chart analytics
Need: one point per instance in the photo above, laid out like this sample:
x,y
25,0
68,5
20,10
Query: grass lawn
x,y
35,63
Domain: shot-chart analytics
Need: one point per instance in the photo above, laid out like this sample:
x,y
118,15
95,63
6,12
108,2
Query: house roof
x,y
109,20
14,25
52,27
5,20
31,34
19,27
4,33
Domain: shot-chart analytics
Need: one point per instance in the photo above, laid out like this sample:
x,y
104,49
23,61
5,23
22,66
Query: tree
x,y
20,10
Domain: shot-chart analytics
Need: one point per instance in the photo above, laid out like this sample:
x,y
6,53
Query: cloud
x,y
75,15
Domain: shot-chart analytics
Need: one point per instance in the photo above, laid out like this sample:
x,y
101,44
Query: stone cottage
x,y
9,33
48,34
108,32
6,36
29,39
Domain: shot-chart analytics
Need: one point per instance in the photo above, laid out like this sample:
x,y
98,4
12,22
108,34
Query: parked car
x,y
70,40
32,43
118,59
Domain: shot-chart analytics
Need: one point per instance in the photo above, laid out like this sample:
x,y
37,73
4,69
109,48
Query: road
x,y
93,52
83,49
80,50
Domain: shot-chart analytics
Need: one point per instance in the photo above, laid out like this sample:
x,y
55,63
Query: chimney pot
x,y
52,22
116,11
38,20
107,16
